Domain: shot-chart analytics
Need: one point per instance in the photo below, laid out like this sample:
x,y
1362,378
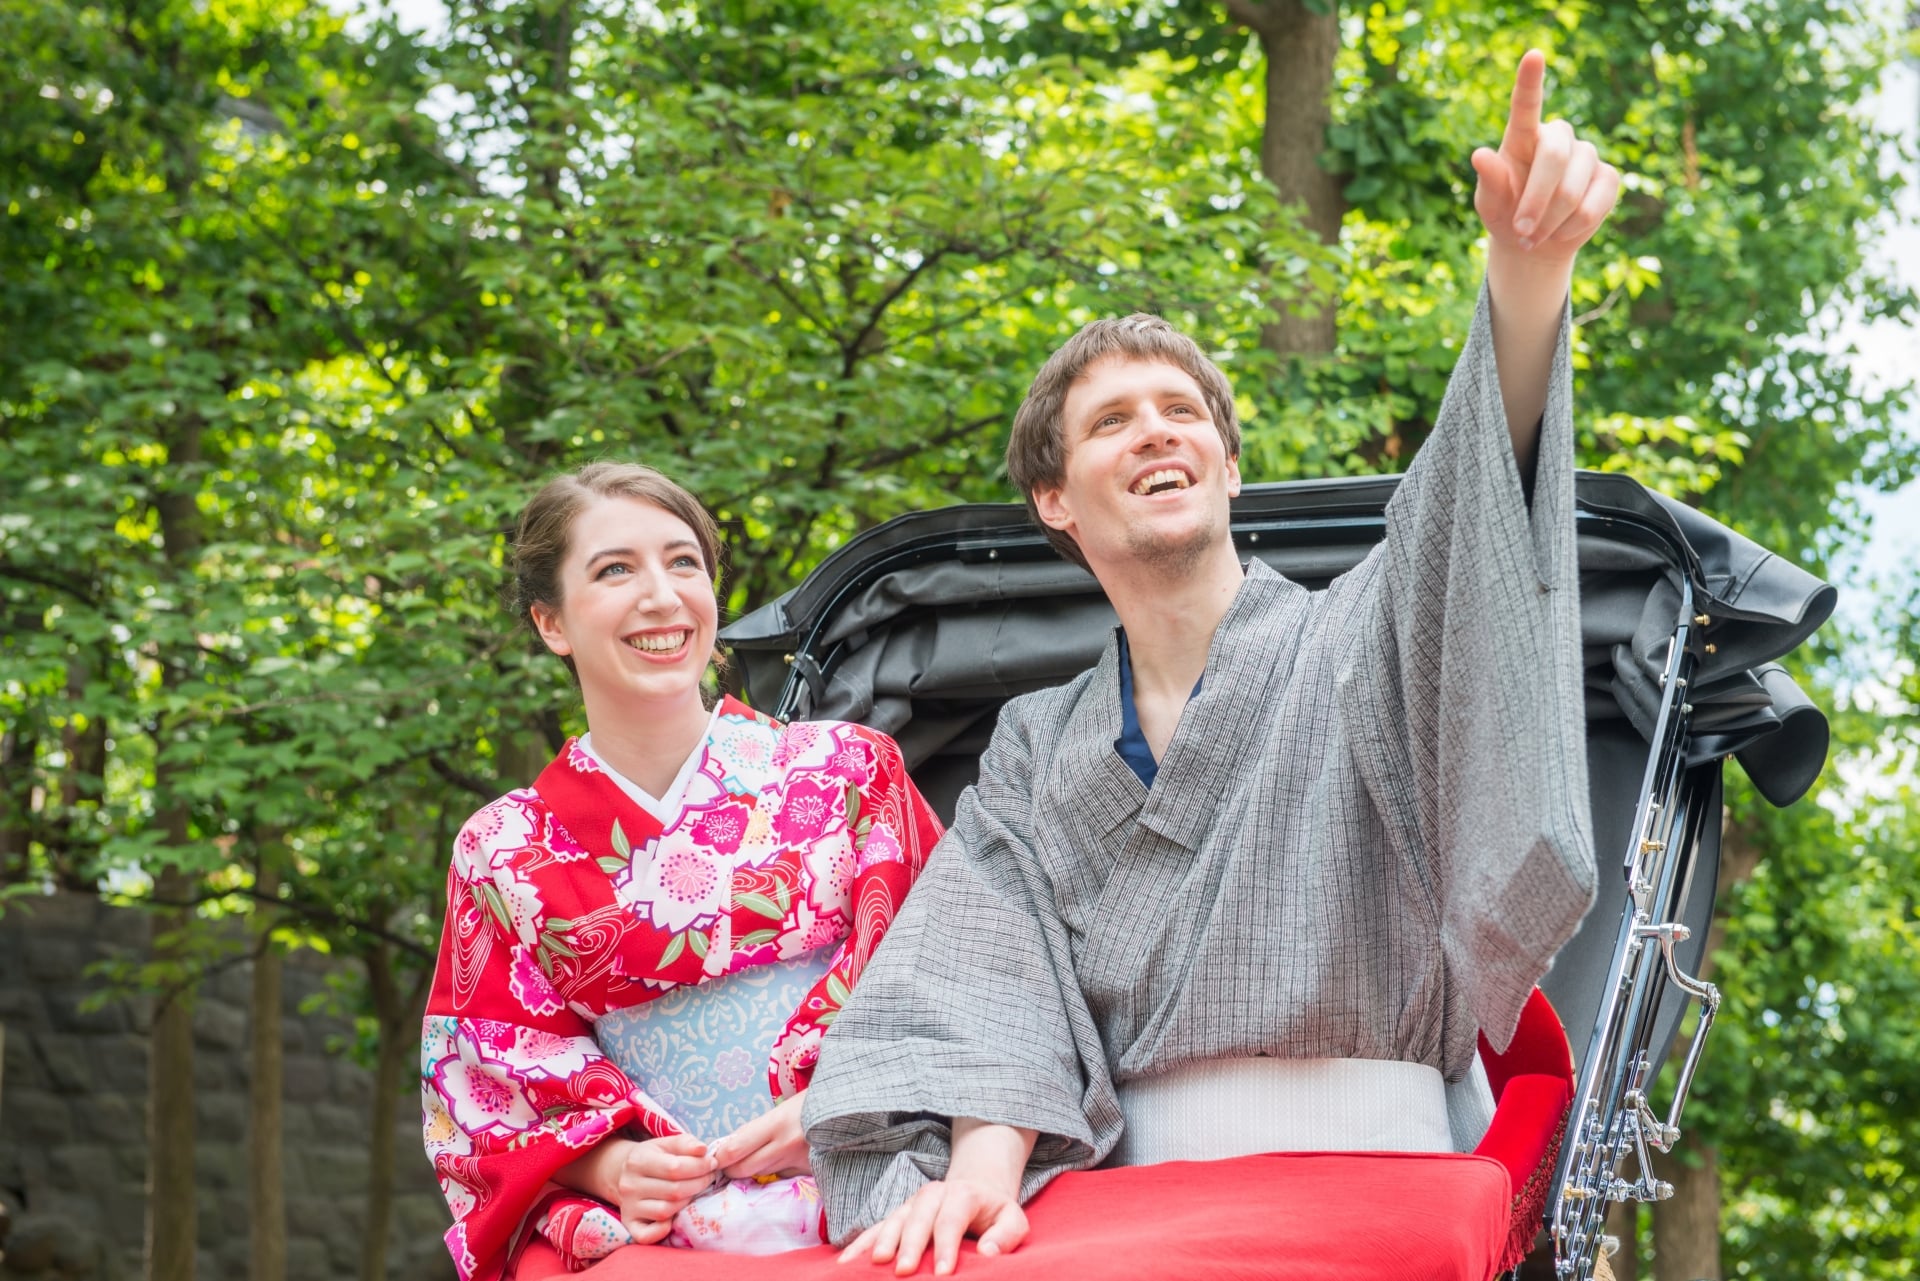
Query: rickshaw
x,y
924,626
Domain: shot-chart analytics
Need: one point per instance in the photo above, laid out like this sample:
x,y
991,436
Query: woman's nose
x,y
656,593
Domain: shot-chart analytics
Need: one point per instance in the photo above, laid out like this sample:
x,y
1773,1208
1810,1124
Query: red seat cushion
x,y
1299,1216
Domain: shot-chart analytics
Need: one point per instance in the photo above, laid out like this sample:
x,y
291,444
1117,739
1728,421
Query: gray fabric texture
x,y
1368,837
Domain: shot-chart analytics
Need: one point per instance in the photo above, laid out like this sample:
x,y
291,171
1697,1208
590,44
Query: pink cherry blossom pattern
x,y
881,846
580,760
485,1097
831,866
587,1130
688,877
805,811
853,762
721,827
530,986
560,841
794,744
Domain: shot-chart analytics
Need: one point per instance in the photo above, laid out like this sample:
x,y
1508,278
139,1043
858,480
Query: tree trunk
x,y
1300,46
1686,1226
397,1013
171,1214
266,1190
171,1217
18,751
1623,1224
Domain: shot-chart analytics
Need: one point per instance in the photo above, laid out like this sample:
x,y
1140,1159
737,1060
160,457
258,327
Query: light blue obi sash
x,y
701,1051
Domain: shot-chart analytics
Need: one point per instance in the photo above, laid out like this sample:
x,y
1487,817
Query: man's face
x,y
1147,477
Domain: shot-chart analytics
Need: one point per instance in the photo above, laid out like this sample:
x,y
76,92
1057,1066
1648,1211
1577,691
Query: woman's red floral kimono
x,y
567,901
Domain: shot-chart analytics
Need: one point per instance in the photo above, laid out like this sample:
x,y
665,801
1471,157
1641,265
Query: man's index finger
x,y
1529,96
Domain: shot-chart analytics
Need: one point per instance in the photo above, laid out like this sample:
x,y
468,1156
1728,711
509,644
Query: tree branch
x,y
470,782
1251,14
299,907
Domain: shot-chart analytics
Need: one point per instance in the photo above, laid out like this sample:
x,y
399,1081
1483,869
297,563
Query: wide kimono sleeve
x,y
513,1086
1465,695
969,1008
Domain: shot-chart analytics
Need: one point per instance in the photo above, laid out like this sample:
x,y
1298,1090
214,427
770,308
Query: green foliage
x,y
1811,1077
298,314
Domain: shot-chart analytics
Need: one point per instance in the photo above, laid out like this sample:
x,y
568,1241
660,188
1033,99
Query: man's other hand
x,y
941,1215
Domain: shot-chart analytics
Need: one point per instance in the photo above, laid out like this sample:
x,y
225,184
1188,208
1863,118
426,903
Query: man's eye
x,y
1111,420
1182,409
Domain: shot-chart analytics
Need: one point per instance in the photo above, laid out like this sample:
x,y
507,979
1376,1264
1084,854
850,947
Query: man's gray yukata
x,y
1367,839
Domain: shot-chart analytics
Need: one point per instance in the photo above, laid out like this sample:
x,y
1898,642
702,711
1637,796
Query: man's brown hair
x,y
1037,449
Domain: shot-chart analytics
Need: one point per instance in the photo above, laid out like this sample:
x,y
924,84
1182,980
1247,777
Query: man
x,y
1271,827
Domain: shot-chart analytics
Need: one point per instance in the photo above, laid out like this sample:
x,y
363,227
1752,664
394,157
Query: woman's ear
x,y
546,621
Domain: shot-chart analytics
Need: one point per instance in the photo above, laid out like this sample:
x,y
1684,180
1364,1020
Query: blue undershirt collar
x,y
1132,743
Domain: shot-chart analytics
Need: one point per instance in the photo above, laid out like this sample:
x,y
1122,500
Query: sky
x,y
1889,352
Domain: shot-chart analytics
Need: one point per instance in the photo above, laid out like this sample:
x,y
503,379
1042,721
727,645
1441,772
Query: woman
x,y
643,949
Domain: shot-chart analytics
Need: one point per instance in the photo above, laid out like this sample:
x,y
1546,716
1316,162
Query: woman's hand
x,y
772,1143
646,1182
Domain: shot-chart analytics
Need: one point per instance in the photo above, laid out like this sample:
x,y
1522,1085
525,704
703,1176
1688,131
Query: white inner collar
x,y
662,808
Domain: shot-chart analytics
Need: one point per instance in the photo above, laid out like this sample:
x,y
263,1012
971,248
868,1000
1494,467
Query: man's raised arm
x,y
1542,195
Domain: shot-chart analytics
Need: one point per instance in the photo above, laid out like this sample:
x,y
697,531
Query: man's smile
x,y
1161,480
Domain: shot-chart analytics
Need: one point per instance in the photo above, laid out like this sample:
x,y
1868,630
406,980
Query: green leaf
x,y
759,938
490,899
613,866
783,896
620,845
698,940
673,950
761,904
836,990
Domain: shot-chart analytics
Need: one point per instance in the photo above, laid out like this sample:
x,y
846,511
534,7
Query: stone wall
x,y
73,1109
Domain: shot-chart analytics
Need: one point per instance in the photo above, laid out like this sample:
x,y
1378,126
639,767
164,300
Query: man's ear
x,y
1233,477
546,621
1053,512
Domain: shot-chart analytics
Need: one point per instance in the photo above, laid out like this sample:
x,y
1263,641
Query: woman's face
x,y
638,617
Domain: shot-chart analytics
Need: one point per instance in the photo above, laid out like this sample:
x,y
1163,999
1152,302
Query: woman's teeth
x,y
1164,478
659,642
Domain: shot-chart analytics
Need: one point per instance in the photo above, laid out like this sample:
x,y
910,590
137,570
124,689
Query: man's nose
x,y
1155,430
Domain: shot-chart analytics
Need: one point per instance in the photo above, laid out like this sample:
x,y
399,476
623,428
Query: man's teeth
x,y
1162,479
659,642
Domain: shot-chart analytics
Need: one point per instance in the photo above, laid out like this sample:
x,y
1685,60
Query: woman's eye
x,y
687,562
608,569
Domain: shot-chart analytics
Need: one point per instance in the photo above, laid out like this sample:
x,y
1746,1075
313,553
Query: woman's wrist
x,y
596,1171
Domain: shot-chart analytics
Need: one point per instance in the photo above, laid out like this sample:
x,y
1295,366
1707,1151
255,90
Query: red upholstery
x,y
1533,1089
1298,1216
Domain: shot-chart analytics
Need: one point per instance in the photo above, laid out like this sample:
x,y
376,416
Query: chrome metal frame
x,y
1612,1117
